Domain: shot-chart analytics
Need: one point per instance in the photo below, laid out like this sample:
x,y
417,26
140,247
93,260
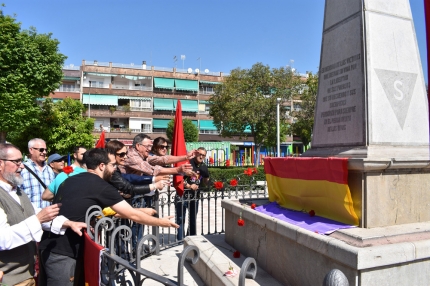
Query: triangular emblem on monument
x,y
399,88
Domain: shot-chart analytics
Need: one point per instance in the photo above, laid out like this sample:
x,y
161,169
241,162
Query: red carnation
x,y
253,206
218,185
248,172
211,160
312,213
236,254
68,170
233,182
255,171
227,163
240,222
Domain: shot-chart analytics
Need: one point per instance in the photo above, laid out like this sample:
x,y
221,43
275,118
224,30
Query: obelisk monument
x,y
372,108
372,101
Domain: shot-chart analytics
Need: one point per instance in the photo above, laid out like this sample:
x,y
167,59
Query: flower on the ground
x,y
236,254
233,182
248,172
68,170
227,163
218,185
312,213
240,222
211,160
231,272
253,206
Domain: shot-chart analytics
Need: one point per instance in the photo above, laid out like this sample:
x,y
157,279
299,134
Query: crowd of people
x,y
43,203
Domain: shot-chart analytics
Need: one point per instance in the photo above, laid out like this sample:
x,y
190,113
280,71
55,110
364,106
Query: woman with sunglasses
x,y
159,146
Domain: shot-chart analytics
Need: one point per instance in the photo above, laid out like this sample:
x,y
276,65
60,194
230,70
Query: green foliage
x,y
305,117
60,124
247,99
225,174
30,67
191,132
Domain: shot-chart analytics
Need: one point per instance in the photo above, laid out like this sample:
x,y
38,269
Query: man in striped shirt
x,y
35,183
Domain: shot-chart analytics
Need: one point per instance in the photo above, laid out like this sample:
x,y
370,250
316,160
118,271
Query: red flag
x,y
92,258
101,142
178,148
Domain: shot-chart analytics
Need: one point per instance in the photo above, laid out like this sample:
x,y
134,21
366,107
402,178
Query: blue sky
x,y
224,34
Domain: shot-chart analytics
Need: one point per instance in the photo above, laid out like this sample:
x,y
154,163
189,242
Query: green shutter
x,y
165,83
187,105
160,123
163,104
185,84
207,125
100,99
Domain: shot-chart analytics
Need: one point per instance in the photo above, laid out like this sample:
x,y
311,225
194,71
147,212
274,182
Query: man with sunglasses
x,y
56,162
37,174
190,198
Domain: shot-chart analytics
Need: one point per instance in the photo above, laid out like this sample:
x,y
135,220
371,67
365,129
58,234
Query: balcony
x,y
215,132
127,87
68,89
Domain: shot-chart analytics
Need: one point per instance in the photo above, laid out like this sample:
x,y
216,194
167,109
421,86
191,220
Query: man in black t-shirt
x,y
61,256
190,196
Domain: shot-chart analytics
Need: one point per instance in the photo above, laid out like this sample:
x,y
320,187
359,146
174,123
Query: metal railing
x,y
126,243
115,266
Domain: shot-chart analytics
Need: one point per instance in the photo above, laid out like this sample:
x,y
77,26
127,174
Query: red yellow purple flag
x,y
318,184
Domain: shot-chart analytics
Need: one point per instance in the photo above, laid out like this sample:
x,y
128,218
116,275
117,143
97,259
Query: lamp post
x,y
278,143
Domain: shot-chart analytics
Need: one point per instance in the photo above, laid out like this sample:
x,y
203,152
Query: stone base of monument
x,y
394,255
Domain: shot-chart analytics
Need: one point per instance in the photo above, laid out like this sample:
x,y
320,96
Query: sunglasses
x,y
202,155
58,161
122,154
162,147
41,150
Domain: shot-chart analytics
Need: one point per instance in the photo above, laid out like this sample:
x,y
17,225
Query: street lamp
x,y
278,143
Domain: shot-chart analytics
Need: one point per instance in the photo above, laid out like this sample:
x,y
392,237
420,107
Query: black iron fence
x,y
127,243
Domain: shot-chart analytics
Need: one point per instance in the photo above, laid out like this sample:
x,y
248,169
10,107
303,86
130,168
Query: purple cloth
x,y
316,223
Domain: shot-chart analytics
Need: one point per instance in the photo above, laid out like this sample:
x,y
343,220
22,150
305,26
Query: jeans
x,y
188,201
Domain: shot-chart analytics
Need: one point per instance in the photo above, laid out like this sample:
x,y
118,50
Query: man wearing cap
x,y
56,162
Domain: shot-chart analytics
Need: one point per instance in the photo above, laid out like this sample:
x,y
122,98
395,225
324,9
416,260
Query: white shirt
x,y
27,230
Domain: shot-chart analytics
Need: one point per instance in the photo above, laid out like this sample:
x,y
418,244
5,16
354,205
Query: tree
x,y
61,125
191,132
305,117
30,67
245,103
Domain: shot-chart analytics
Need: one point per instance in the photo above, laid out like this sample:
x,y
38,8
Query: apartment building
x,y
127,99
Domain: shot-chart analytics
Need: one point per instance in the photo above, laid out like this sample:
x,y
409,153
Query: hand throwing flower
x,y
68,170
233,182
218,185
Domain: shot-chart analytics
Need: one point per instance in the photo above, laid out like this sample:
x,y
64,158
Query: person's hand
x,y
76,226
191,173
48,213
160,184
194,187
162,177
184,168
148,211
192,154
166,222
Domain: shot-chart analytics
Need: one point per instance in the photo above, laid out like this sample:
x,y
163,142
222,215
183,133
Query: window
x,y
96,83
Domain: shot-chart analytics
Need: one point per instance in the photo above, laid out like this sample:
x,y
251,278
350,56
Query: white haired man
x,y
21,222
37,174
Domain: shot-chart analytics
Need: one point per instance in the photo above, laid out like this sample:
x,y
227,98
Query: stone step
x,y
215,258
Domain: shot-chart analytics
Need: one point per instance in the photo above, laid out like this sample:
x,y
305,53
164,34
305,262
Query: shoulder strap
x,y
36,176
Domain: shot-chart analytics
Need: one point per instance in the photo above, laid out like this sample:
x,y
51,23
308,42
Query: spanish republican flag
x,y
319,184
